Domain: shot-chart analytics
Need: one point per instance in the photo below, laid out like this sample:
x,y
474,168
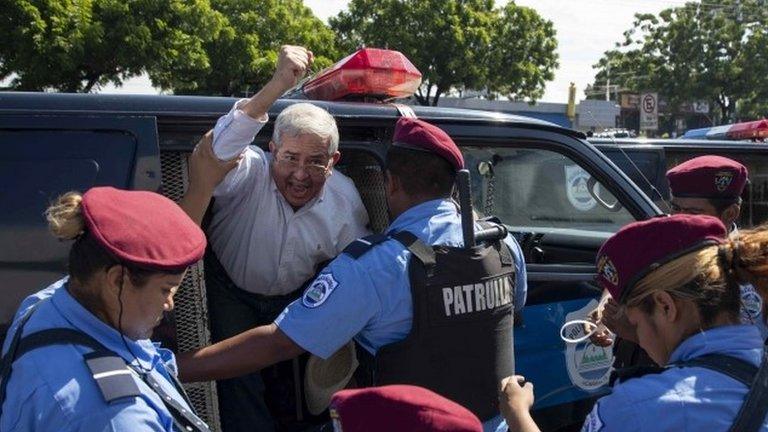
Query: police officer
x,y
78,355
713,185
678,278
422,315
706,185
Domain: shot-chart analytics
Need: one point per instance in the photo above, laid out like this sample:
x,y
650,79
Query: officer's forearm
x,y
245,353
522,422
195,202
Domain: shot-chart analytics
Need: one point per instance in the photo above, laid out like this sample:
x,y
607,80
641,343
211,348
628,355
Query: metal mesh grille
x,y
366,172
191,304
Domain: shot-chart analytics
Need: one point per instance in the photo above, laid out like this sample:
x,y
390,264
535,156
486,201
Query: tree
x,y
79,45
523,55
242,58
698,51
457,43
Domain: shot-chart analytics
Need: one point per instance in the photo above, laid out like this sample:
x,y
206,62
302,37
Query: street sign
x,y
649,111
701,107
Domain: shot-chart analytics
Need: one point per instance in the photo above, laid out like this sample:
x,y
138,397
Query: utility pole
x,y
608,82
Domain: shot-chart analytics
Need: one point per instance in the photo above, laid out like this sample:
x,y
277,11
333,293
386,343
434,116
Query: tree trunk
x,y
423,98
92,80
720,100
419,96
438,91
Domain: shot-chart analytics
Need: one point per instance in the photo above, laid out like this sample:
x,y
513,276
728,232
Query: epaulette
x,y
112,375
359,247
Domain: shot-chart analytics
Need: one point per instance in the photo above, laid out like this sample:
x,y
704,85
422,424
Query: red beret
x,y
707,177
141,228
641,247
399,408
419,135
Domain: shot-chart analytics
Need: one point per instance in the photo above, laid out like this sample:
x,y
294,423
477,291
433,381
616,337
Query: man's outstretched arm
x,y
242,354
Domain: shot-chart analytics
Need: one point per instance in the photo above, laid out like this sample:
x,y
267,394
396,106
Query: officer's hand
x,y
515,396
292,63
616,320
603,336
206,171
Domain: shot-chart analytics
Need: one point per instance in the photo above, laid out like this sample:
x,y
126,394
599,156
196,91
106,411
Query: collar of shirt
x,y
316,200
421,212
143,351
742,341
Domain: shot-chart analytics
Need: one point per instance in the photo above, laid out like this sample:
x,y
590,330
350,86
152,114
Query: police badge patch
x,y
319,291
723,179
607,270
751,304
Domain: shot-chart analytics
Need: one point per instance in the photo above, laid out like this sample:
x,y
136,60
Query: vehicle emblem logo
x,y
588,365
723,179
607,270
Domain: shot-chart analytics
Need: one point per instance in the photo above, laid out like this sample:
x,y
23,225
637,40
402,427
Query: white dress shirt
x,y
265,246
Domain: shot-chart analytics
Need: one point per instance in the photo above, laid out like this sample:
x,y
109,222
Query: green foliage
x,y
698,51
78,45
457,43
243,56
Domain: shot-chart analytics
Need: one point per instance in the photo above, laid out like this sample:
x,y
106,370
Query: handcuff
x,y
596,327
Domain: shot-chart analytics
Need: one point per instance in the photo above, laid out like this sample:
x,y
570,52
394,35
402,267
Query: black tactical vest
x,y
460,345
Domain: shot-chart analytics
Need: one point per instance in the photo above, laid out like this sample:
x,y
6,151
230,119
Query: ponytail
x,y
65,216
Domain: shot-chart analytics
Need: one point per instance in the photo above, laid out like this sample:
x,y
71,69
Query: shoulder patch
x,y
751,304
319,291
593,422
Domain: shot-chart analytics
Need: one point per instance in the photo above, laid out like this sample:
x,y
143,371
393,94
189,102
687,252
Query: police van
x,y
557,193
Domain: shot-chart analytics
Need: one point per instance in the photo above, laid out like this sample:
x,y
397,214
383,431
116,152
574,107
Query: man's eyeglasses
x,y
315,169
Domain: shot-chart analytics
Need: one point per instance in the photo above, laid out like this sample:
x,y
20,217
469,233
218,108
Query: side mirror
x,y
593,188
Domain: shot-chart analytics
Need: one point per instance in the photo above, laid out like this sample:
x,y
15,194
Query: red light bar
x,y
749,130
369,72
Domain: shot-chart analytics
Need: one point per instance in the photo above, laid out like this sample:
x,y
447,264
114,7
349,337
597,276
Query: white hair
x,y
305,118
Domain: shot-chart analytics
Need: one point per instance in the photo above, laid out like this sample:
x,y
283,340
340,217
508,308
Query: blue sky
x,y
585,29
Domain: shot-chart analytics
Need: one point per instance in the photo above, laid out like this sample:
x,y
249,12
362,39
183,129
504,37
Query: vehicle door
x,y
562,199
43,156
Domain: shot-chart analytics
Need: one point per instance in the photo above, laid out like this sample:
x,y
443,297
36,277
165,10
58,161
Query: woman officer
x,y
677,279
78,355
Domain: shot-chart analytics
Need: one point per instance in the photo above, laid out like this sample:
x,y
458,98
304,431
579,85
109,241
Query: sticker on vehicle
x,y
576,188
589,366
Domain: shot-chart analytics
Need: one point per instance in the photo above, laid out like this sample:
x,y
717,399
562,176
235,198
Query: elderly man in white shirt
x,y
276,216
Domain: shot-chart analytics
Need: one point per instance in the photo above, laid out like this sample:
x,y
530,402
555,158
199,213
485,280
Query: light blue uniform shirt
x,y
369,298
682,399
52,389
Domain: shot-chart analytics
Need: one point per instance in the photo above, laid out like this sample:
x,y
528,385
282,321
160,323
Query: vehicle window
x,y
536,188
36,166
754,209
645,167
